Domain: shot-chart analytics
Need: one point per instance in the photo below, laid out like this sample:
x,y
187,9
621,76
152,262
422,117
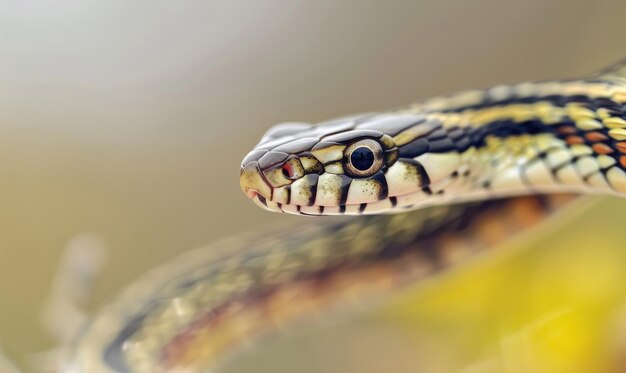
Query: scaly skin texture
x,y
504,141
473,148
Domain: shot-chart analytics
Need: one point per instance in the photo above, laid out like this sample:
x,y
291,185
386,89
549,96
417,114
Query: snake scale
x,y
430,184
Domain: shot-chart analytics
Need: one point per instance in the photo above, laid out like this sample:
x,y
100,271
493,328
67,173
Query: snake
x,y
415,191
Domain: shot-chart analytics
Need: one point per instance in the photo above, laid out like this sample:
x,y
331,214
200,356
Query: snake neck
x,y
527,138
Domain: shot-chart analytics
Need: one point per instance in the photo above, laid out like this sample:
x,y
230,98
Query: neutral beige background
x,y
129,119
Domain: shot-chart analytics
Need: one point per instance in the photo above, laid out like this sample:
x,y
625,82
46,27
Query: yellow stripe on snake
x,y
429,184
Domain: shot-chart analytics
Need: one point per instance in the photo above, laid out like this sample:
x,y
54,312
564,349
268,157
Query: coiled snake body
x,y
476,167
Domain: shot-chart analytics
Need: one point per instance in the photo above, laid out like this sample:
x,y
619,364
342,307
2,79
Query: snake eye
x,y
363,158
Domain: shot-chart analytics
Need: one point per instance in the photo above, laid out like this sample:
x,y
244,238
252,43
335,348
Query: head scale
x,y
351,165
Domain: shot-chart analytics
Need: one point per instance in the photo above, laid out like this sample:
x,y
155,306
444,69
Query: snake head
x,y
352,165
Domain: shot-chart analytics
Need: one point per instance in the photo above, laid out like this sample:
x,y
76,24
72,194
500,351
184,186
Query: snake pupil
x,y
362,158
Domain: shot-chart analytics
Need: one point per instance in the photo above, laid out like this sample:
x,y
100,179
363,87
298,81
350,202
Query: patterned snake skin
x,y
476,167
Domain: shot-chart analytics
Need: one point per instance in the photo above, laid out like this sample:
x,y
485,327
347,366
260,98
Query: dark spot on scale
x,y
288,191
342,209
456,133
424,179
345,188
463,144
311,180
383,188
414,148
427,190
441,146
556,100
578,98
362,207
438,134
607,103
394,201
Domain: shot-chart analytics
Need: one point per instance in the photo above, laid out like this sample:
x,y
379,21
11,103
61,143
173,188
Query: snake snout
x,y
253,183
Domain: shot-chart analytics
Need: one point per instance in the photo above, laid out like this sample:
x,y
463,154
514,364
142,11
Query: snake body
x,y
475,166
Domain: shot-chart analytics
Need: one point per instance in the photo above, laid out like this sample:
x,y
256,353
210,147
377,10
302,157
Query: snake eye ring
x,y
364,158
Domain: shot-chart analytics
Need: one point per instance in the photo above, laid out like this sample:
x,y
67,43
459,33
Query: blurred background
x,y
127,121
